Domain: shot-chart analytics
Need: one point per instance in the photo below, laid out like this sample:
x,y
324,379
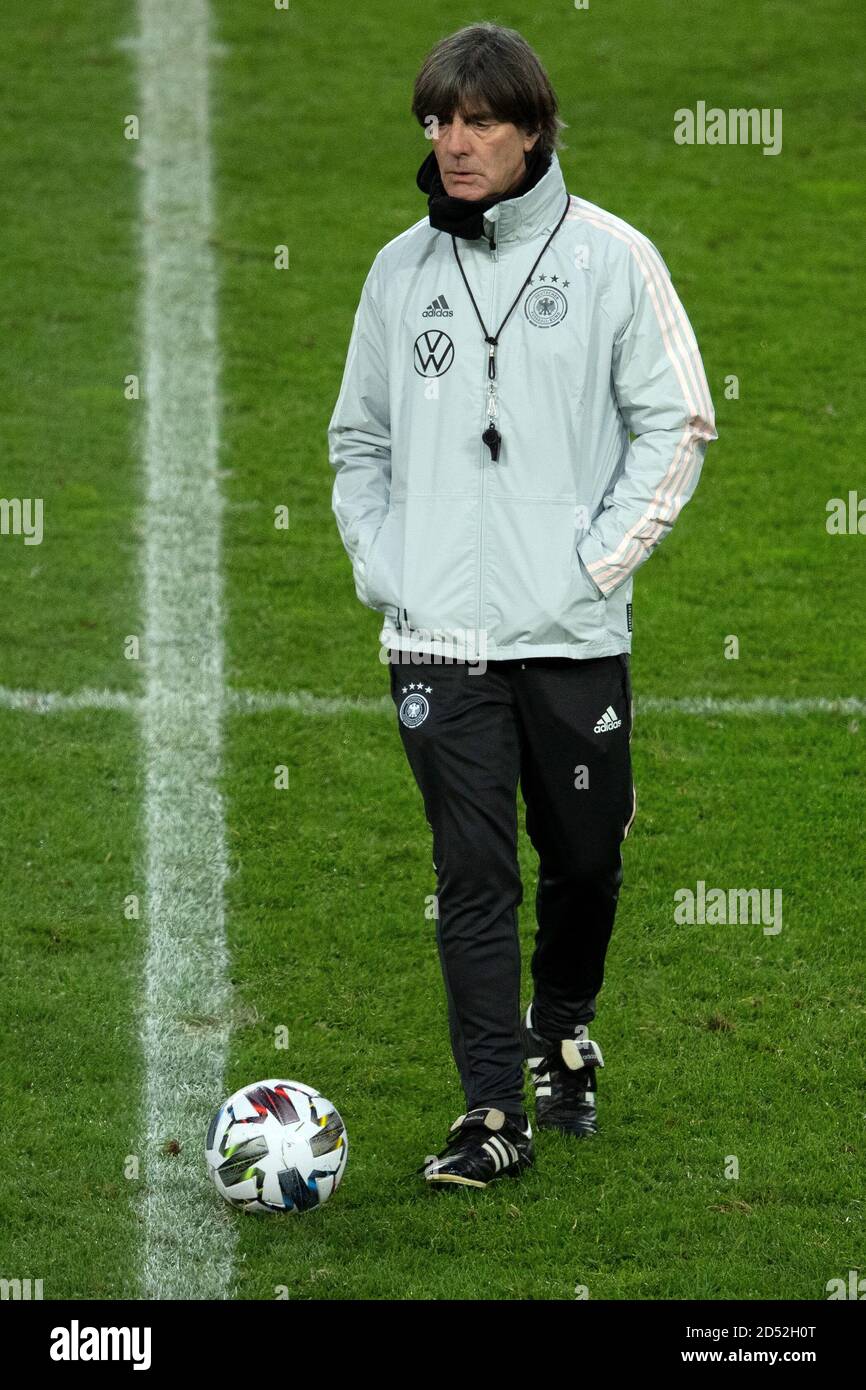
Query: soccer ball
x,y
276,1146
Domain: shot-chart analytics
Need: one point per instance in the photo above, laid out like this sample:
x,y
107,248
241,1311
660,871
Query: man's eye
x,y
478,124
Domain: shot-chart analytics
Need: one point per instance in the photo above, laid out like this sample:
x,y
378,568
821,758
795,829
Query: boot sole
x,y
444,1178
563,1129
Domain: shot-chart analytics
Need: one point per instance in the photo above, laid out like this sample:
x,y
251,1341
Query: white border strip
x,y
188,1242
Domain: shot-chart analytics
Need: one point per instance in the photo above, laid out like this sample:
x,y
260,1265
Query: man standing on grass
x,y
522,417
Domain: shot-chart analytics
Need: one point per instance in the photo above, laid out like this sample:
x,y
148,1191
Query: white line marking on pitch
x,y
702,705
55,702
303,702
189,1241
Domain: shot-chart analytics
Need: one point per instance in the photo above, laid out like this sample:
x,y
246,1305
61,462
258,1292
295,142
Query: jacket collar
x,y
539,210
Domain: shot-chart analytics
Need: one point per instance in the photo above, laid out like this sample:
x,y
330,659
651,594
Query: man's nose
x,y
458,138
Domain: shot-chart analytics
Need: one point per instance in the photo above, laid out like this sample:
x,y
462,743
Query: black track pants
x,y
561,728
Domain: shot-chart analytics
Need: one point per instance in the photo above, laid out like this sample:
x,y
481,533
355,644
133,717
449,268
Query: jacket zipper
x,y
495,256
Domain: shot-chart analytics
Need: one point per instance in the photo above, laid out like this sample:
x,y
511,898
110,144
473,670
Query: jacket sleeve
x,y
359,438
665,403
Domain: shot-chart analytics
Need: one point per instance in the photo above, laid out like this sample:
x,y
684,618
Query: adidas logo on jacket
x,y
439,309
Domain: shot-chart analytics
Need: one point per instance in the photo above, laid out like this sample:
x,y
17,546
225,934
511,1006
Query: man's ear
x,y
530,140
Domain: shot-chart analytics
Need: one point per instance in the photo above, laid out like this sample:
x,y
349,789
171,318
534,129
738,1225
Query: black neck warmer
x,y
463,217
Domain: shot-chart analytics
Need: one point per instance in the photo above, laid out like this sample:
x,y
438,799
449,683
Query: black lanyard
x,y
491,436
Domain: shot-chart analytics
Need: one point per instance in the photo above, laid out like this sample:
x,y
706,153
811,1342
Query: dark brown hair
x,y
486,67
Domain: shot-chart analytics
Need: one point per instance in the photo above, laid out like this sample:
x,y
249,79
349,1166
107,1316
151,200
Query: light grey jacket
x,y
534,554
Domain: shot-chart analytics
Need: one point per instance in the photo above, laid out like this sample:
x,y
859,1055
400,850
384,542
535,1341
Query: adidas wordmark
x,y
607,721
439,309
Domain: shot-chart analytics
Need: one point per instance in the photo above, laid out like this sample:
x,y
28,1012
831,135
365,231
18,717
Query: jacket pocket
x,y
583,616
383,570
581,579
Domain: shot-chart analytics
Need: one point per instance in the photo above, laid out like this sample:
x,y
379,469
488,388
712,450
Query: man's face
x,y
480,157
